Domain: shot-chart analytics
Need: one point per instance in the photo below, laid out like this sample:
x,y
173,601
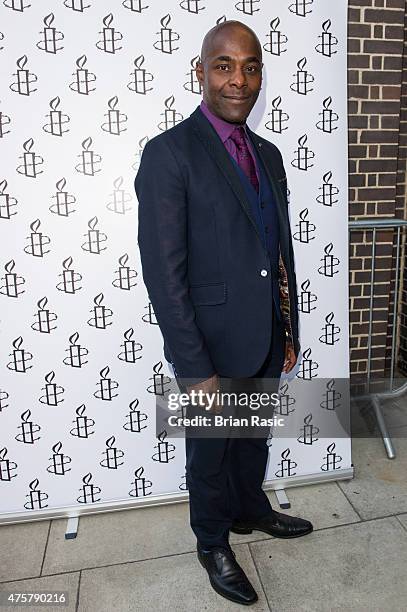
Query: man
x,y
218,264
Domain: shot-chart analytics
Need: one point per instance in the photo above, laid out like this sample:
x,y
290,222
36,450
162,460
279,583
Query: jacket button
x,y
263,272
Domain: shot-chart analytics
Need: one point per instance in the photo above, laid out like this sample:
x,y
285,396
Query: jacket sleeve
x,y
163,244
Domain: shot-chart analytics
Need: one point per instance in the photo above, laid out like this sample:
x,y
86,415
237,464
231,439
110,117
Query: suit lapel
x,y
219,154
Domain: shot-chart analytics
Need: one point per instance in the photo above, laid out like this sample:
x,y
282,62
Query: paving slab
x,y
171,583
380,485
116,537
345,569
62,582
22,549
324,505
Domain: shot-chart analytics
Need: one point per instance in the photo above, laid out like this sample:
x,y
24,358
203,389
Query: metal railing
x,y
372,225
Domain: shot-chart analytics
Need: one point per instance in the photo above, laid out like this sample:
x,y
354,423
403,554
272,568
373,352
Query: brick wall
x,y
377,172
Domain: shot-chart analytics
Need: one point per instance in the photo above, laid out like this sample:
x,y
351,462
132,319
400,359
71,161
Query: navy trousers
x,y
224,475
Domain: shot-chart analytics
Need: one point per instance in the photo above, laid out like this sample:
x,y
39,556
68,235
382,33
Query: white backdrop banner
x,y
84,85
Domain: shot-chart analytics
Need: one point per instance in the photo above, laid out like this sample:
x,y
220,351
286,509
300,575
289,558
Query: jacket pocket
x,y
208,294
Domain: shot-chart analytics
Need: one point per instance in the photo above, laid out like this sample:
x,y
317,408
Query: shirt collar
x,y
223,128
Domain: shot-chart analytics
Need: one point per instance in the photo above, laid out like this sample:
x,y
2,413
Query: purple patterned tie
x,y
244,157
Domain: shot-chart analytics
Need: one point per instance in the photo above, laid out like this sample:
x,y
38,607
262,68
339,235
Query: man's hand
x,y
290,357
210,385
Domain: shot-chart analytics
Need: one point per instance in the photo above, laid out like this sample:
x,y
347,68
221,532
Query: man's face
x,y
231,74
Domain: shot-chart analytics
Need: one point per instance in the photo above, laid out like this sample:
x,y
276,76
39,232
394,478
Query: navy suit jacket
x,y
204,264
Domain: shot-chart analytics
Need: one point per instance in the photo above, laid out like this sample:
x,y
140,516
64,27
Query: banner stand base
x,y
72,528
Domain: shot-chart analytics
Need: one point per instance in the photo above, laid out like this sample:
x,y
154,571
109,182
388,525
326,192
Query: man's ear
x,y
199,70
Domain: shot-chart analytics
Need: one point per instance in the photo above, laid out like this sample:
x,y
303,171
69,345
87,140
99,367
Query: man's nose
x,y
238,78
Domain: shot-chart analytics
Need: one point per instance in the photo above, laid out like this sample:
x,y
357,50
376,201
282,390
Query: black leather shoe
x,y
226,576
277,524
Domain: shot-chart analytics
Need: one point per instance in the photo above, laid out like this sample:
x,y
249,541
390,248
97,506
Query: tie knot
x,y
238,136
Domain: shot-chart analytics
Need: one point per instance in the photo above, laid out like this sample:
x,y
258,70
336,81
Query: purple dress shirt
x,y
224,129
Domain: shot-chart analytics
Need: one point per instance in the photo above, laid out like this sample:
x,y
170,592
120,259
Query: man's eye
x,y
222,66
252,68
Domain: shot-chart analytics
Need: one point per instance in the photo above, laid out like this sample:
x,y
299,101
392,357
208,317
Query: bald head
x,y
230,70
224,30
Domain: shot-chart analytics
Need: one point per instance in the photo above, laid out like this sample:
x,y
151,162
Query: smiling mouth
x,y
237,99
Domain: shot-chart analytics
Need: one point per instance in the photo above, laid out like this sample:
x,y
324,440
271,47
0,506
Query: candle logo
x,y
100,314
221,19
306,228
141,143
329,191
308,432
44,318
37,241
134,5
277,117
7,203
52,391
119,198
140,77
17,5
276,39
63,200
331,397
115,119
76,5
308,368
329,262
286,403
287,465
76,353
4,396
193,85
303,79
192,6
329,118
57,119
83,427
149,317
88,491
161,382
89,160
306,298
110,36
50,36
140,484
20,356
300,7
330,331
70,278
83,78
12,281
303,155
31,161
7,467
171,117
164,449
135,418
248,7
36,497
328,40
25,79
167,37
125,276
28,429
5,120
60,461
106,386
132,349
332,459
112,455
94,238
